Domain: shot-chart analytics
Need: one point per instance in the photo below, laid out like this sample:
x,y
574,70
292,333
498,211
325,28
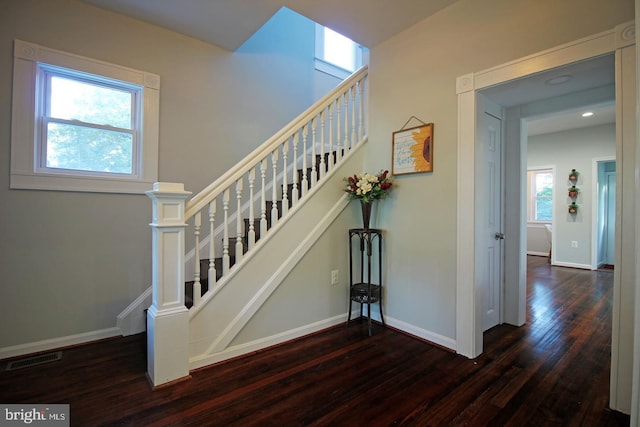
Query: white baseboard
x,y
438,339
55,343
262,343
424,334
537,253
246,348
132,320
573,265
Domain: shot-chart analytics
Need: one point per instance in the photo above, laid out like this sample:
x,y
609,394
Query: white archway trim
x,y
468,312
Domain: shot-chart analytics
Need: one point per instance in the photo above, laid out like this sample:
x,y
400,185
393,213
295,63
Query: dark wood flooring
x,y
552,372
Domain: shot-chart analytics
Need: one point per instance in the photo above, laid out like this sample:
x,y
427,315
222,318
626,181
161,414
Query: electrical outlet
x,y
574,243
334,277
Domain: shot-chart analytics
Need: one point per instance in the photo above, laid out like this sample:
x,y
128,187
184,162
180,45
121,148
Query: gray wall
x,y
414,74
70,262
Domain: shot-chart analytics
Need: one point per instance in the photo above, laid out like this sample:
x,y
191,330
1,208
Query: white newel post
x,y
168,318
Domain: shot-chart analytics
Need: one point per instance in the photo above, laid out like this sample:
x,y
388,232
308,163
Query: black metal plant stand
x,y
361,290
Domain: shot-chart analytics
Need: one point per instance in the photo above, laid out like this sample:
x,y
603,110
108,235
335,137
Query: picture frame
x,y
412,150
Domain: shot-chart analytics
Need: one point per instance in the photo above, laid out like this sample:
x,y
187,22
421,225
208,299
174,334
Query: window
x,y
540,195
77,123
336,54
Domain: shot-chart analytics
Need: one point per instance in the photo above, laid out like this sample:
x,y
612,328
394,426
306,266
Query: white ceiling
x,y
567,120
229,23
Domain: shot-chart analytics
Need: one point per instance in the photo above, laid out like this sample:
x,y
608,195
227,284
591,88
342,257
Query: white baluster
x,y
333,157
263,199
314,169
305,181
239,243
225,238
345,114
338,122
212,244
360,110
285,190
274,187
197,287
294,193
323,165
353,116
252,232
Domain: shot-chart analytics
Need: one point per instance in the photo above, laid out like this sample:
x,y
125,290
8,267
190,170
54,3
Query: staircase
x,y
320,164
214,289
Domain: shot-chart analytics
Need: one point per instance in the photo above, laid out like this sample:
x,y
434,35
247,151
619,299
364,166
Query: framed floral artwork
x,y
413,150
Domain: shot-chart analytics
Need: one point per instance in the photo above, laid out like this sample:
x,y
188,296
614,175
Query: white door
x,y
490,138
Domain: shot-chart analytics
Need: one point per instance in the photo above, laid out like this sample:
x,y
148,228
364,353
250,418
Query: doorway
x,y
538,109
605,209
469,336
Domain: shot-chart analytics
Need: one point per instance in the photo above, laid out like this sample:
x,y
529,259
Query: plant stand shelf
x,y
361,288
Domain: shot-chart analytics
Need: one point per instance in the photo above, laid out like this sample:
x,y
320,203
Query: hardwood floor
x,y
552,372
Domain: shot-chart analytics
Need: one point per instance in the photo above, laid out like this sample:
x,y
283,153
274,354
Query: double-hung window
x,y
82,125
88,124
540,195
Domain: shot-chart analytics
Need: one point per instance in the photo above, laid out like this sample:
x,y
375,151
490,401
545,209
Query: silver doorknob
x,y
499,236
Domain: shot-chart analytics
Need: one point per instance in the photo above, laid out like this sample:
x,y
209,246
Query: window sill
x,y
332,70
51,182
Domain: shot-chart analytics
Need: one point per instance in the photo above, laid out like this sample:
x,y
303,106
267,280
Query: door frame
x,y
469,335
594,208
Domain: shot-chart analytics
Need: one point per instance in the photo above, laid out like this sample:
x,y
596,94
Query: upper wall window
x,y
540,195
82,125
336,54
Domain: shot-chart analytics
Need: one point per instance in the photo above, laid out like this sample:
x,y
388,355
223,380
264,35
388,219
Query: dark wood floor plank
x,y
552,371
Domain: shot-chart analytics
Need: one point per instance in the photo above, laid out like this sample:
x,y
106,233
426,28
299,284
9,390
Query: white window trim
x,y
24,165
530,194
328,67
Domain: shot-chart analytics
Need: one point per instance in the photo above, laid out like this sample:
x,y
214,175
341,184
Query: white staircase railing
x,y
232,216
259,192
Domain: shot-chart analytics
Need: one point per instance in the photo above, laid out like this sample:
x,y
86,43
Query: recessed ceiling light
x,y
587,114
558,80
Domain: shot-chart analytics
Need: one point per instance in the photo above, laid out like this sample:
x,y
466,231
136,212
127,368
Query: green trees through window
x,y
90,125
540,195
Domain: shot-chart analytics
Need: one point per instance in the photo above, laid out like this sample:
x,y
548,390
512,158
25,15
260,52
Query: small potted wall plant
x,y
573,191
573,175
573,208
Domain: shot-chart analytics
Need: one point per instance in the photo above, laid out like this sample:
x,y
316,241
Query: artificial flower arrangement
x,y
367,187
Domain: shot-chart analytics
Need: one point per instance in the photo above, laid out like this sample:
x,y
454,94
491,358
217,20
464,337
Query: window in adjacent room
x,y
336,54
79,125
540,195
